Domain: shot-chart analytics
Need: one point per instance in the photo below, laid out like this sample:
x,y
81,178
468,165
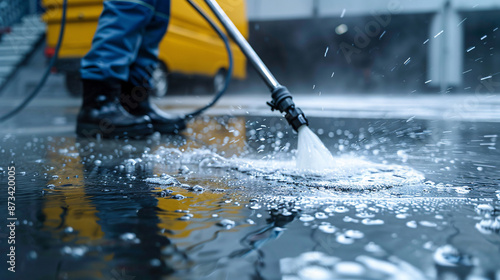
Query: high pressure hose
x,y
229,56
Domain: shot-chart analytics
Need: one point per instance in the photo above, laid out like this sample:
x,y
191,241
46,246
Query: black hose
x,y
229,55
41,83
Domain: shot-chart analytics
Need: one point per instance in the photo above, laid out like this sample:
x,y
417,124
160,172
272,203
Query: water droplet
x,y
470,49
184,170
306,218
226,223
342,239
374,248
165,180
197,188
439,33
450,256
327,228
75,251
349,268
489,226
462,190
155,262
320,215
315,272
186,217
484,208
355,234
128,148
370,222
340,209
255,206
427,224
165,193
130,237
411,224
33,255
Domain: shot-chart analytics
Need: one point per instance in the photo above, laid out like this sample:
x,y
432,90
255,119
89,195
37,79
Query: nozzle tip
x,y
296,118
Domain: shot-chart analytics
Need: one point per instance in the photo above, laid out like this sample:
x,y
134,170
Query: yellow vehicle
x,y
190,47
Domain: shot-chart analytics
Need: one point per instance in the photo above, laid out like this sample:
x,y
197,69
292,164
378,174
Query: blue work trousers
x,y
125,45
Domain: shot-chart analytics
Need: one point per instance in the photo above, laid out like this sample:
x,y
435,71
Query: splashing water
x,y
311,152
342,173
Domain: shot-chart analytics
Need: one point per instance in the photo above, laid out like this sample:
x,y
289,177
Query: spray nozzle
x,y
282,101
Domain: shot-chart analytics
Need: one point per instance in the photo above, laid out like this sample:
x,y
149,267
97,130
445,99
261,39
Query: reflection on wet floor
x,y
409,200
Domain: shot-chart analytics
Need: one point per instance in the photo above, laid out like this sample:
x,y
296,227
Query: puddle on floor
x,y
407,200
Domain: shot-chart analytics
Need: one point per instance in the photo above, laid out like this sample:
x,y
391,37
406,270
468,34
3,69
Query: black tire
x,y
73,83
161,80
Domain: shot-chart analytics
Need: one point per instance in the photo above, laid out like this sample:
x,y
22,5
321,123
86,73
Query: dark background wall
x,y
295,52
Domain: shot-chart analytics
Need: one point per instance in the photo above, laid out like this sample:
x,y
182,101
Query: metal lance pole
x,y
282,99
245,47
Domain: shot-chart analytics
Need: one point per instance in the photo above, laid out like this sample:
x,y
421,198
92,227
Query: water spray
x,y
281,97
311,152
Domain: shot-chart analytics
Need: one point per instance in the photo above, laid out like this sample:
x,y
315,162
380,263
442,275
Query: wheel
x,y
160,80
218,81
73,83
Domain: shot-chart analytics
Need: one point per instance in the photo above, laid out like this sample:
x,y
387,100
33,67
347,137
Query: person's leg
x,y
117,40
138,88
147,58
114,48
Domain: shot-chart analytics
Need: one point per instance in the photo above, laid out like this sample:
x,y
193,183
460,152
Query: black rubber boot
x,y
135,99
102,113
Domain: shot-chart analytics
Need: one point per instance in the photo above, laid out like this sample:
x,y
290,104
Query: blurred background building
x,y
384,45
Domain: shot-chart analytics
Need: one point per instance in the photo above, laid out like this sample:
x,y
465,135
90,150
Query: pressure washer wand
x,y
281,97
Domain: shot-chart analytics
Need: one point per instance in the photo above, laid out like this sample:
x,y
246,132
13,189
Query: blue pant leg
x,y
147,58
117,39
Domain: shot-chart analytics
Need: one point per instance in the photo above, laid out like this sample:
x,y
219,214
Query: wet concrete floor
x,y
203,205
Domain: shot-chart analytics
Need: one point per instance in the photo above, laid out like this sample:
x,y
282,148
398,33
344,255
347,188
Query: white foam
x,y
343,172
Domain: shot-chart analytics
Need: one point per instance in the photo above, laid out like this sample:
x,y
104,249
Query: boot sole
x,y
92,130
